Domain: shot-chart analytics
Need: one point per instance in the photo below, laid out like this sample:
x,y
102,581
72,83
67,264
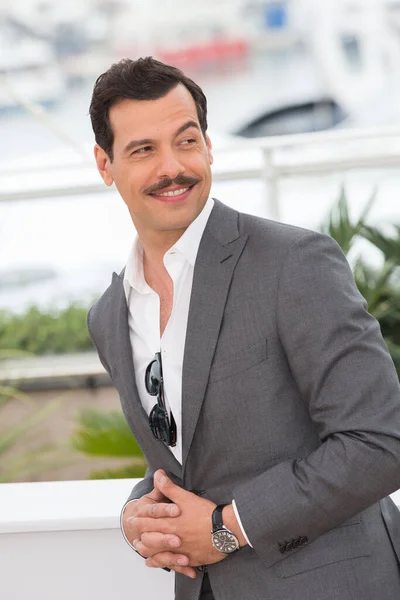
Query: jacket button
x,y
282,548
198,492
289,546
303,541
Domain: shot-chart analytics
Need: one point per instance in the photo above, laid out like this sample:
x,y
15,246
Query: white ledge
x,y
62,540
62,505
67,505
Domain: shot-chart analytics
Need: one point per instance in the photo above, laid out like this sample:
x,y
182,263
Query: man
x,y
252,376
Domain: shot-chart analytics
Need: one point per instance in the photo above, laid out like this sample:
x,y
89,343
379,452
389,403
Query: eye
x,y
188,141
142,150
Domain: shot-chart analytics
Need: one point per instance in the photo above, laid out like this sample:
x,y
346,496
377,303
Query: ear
x,y
103,164
209,148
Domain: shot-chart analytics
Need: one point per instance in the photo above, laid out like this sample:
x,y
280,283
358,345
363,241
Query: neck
x,y
154,269
155,245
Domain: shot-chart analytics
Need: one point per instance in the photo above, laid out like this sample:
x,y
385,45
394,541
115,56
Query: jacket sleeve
x,y
139,490
101,357
347,379
146,484
143,487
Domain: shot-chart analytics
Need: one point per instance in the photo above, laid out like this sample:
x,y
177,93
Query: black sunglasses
x,y
162,426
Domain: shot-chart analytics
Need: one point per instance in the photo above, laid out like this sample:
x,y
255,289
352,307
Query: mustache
x,y
183,180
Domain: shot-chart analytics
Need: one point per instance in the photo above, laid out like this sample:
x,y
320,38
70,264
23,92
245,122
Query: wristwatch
x,y
222,538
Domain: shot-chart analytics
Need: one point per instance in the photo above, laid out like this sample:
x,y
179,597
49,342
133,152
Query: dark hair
x,y
142,79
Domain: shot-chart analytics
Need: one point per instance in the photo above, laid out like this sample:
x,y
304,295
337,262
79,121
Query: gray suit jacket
x,y
291,406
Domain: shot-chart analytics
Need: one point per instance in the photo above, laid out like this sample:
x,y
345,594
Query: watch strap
x,y
216,518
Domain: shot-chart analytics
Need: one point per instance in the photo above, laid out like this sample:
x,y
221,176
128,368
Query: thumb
x,y
166,486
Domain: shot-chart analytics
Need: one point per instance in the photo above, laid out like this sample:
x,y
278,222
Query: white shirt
x,y
144,320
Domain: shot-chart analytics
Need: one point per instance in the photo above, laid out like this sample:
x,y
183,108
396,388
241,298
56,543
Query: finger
x,y
168,487
143,550
156,496
129,526
188,571
158,510
161,541
167,559
130,509
147,551
140,525
135,543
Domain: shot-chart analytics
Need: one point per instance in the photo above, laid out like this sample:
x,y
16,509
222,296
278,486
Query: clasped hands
x,y
171,527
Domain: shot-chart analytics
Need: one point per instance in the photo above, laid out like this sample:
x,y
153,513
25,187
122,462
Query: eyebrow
x,y
148,141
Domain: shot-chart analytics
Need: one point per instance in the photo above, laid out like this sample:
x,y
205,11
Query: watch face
x,y
224,541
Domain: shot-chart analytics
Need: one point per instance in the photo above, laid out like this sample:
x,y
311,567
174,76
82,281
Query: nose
x,y
169,164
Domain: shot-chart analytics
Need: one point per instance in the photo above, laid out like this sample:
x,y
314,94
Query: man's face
x,y
162,162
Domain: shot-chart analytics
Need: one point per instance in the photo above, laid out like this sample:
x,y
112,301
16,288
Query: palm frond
x,y
339,225
390,246
374,284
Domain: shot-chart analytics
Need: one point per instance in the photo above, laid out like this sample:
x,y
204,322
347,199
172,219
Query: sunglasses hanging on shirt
x,y
162,426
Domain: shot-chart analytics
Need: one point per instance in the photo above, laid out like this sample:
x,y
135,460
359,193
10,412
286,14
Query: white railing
x,y
268,159
82,369
61,541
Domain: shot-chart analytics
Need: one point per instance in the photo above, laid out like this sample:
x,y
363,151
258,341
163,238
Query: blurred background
x,y
304,115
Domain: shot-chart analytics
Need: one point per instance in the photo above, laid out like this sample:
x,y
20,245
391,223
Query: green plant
x,y
340,226
40,332
379,286
107,434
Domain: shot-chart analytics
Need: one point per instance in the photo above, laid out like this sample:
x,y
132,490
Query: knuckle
x,y
129,524
142,510
133,524
130,511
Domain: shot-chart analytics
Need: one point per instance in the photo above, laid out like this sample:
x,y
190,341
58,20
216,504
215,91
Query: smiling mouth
x,y
172,193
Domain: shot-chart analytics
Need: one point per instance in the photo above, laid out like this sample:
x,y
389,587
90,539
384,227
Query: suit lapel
x,y
116,323
219,251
